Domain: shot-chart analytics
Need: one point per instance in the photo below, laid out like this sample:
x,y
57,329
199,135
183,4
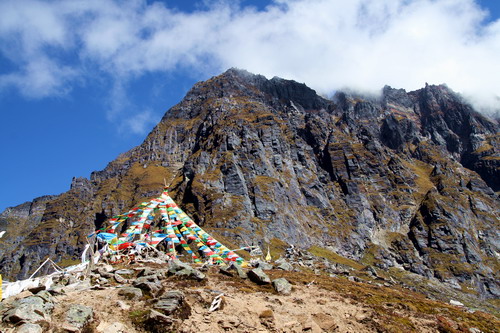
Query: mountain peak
x,y
404,182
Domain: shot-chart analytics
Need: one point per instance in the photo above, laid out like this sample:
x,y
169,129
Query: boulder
x,y
124,306
233,270
372,272
149,278
354,279
326,322
226,270
159,317
282,286
78,317
120,279
161,273
130,293
103,281
264,265
104,272
32,309
177,265
29,328
45,295
173,303
149,284
283,265
240,271
258,276
146,271
107,267
24,313
190,273
158,322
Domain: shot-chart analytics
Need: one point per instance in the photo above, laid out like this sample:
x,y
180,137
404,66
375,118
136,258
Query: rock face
x,y
405,180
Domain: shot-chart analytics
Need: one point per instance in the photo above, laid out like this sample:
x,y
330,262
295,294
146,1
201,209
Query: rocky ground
x,y
301,293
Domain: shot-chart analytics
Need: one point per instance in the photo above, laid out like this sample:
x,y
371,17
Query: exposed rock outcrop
x,y
405,180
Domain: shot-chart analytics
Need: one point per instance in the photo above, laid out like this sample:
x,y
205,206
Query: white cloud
x,y
328,44
40,78
141,123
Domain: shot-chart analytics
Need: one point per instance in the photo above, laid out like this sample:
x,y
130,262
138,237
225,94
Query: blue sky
x,y
83,81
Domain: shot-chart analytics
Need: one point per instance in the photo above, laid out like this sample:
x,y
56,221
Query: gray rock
x,y
233,270
125,272
240,271
177,265
130,293
190,273
146,271
24,313
173,303
159,317
45,295
149,278
371,270
226,270
284,265
149,284
282,286
104,273
354,279
258,276
340,269
3,308
264,265
309,262
31,309
79,316
103,281
162,273
120,279
107,268
158,322
29,328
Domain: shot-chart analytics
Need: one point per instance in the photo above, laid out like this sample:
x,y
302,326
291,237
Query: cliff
x,y
406,181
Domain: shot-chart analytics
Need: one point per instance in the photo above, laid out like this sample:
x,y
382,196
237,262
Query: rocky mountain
x,y
405,182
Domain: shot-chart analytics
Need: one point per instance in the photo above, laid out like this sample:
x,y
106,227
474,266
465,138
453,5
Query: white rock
x,y
123,305
456,303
